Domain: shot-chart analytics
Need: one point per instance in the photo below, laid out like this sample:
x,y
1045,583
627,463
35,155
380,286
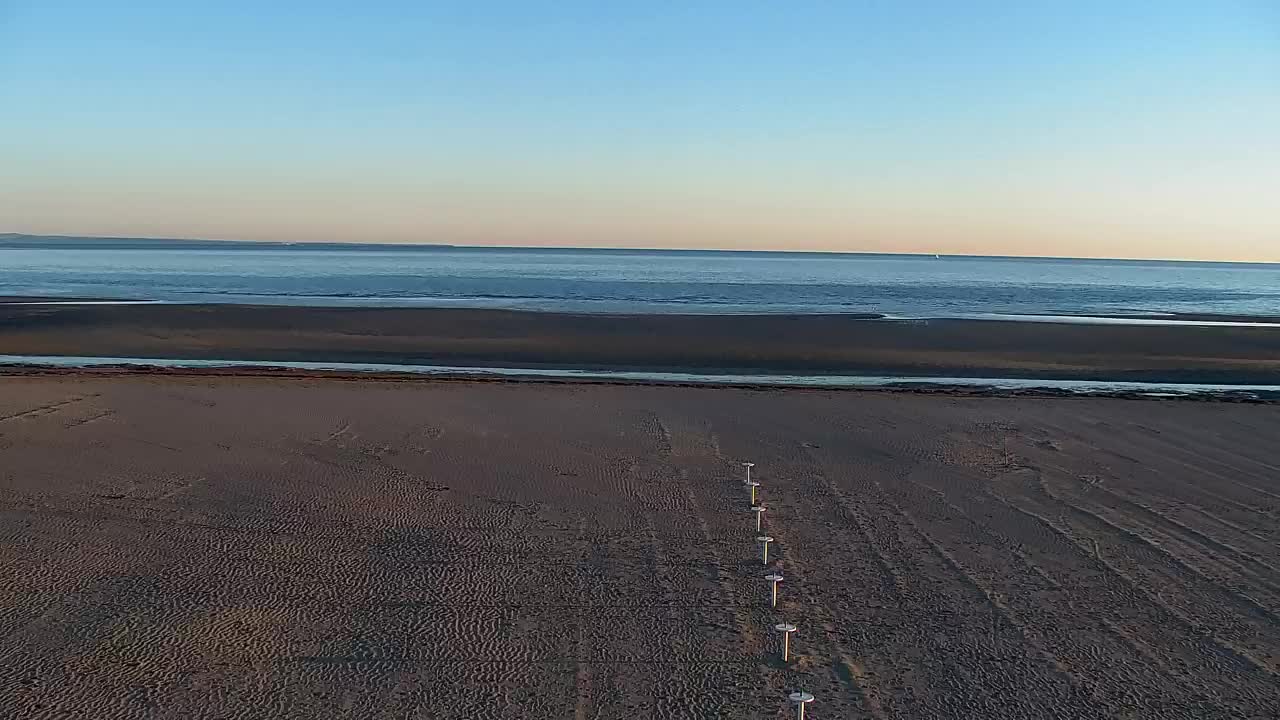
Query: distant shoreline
x,y
35,241
709,344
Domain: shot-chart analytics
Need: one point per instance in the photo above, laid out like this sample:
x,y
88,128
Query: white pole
x,y
764,541
753,485
786,629
758,510
748,466
774,580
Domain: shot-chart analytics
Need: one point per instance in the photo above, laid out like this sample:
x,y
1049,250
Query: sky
x,y
1094,129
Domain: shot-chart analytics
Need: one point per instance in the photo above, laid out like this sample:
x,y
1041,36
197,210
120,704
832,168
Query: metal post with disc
x,y
758,510
800,699
786,629
764,541
773,579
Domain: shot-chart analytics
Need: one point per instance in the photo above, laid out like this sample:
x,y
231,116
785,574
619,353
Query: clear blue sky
x,y
1145,129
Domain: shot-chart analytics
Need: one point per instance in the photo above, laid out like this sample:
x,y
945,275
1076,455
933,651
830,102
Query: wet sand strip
x,y
795,344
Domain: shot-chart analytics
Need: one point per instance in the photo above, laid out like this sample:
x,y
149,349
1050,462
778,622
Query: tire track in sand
x,y
44,409
958,667
1204,656
1190,583
584,703
821,627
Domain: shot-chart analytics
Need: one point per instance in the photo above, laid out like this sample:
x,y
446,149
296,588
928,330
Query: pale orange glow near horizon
x,y
963,226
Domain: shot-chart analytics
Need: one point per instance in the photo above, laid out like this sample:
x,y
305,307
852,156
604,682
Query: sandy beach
x,y
236,547
789,344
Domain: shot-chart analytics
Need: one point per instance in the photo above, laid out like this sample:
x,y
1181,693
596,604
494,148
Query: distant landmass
x,y
85,242
72,242
21,240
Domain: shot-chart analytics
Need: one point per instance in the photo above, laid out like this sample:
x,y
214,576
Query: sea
x,y
629,281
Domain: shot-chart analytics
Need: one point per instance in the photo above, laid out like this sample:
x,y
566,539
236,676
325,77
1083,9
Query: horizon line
x,y
444,245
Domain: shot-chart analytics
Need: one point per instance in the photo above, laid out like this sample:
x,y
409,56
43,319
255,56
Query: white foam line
x,y
1101,320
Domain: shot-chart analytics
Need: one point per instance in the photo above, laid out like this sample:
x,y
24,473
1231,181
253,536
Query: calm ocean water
x,y
631,281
